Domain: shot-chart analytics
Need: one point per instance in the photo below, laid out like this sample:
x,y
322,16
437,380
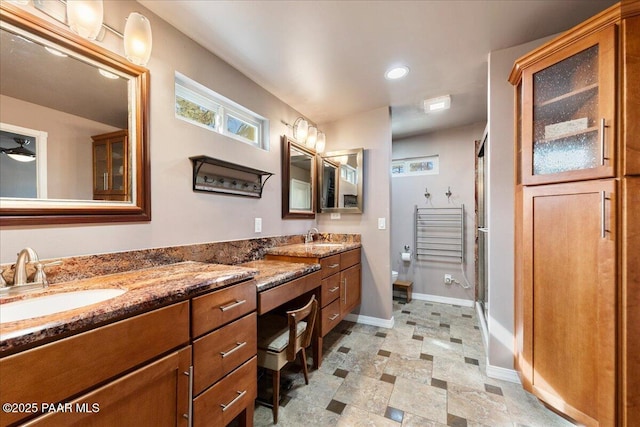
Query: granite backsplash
x,y
226,252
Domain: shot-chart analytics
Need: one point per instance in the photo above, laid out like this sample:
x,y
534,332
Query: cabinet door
x,y
569,112
155,395
569,291
100,167
350,287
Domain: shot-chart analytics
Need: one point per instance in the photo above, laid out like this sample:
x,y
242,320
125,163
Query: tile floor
x,y
428,371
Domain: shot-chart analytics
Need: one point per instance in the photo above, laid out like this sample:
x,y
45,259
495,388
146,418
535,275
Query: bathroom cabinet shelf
x,y
218,176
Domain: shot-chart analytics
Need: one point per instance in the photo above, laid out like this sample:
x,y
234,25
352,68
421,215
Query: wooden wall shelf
x,y
218,176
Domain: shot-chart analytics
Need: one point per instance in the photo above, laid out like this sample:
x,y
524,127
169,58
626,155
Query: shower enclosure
x,y
482,288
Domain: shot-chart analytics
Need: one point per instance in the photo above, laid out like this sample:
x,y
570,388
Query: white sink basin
x,y
327,245
55,303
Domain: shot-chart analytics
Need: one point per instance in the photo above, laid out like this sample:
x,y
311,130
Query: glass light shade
x,y
22,157
85,17
300,129
312,136
137,39
321,142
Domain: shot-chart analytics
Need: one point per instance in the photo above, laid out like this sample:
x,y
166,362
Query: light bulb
x,y
320,143
85,17
137,39
312,136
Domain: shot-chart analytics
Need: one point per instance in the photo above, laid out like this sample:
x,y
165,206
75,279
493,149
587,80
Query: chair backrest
x,y
294,317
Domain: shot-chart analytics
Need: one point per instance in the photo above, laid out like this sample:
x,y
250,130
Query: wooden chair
x,y
280,339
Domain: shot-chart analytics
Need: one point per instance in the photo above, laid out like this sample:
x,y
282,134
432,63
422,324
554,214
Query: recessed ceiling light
x,y
108,74
396,72
55,52
437,104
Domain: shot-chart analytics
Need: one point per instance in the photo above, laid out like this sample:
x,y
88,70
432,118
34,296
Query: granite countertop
x,y
146,289
316,249
274,273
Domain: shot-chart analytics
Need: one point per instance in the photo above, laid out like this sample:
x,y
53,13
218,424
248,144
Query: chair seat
x,y
273,332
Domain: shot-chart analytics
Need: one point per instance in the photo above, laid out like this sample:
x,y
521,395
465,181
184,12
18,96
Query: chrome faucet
x,y
24,256
309,237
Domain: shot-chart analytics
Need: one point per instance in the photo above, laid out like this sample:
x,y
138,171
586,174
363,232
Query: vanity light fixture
x,y
321,142
85,17
396,72
137,39
312,137
437,104
20,153
306,134
300,130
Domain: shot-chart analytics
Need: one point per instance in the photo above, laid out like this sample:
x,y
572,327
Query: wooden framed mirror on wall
x,y
298,180
340,181
92,107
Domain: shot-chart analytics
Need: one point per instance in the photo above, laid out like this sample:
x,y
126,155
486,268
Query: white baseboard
x,y
368,320
444,300
502,374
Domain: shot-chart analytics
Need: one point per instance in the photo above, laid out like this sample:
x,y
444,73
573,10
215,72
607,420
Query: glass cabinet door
x,y
101,168
568,131
117,165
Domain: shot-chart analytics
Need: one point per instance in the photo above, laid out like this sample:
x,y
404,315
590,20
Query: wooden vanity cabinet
x,y
111,166
224,337
73,366
155,395
576,235
340,291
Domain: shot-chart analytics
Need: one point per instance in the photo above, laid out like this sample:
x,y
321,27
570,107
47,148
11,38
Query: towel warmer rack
x,y
439,233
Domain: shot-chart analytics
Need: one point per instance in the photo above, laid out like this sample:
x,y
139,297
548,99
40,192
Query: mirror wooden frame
x,y
359,208
287,213
55,212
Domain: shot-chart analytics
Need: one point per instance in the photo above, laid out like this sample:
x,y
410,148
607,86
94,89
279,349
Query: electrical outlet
x,y
448,279
257,225
335,215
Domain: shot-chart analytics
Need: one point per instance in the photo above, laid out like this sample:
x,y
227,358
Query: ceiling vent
x,y
437,104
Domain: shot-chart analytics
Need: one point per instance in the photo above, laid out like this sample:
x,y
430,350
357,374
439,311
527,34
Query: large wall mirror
x,y
298,180
340,181
78,113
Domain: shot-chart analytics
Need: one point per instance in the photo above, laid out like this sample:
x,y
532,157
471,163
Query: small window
x,y
348,173
201,106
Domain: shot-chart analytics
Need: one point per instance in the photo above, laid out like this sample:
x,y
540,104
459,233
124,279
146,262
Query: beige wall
x,y
69,149
179,216
372,131
500,204
456,150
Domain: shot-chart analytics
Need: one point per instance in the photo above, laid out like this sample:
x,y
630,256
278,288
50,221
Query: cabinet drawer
x,y
224,401
217,308
330,317
350,258
330,289
220,352
58,370
330,265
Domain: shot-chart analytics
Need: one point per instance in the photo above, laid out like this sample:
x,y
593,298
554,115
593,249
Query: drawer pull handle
x,y
238,397
334,317
334,265
238,346
332,290
232,305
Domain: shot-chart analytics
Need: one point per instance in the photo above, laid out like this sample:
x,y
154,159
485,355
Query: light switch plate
x,y
382,223
258,225
335,215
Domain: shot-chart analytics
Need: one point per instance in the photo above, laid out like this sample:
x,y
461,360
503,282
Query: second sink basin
x,y
55,303
326,245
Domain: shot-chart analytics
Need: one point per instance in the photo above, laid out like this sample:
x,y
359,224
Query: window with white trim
x,y
201,106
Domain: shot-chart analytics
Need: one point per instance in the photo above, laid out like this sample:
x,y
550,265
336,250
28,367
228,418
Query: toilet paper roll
x,y
406,256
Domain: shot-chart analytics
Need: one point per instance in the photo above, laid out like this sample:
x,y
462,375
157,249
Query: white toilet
x,y
394,276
